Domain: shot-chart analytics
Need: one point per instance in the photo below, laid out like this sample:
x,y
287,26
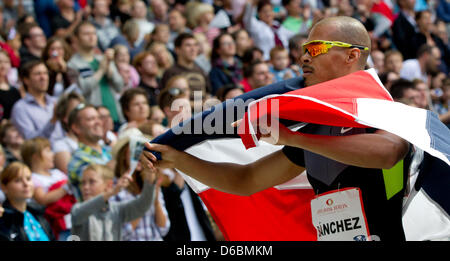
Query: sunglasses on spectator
x,y
175,91
317,47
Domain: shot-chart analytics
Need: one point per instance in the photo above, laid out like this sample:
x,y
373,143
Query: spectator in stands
x,y
426,64
189,222
135,107
257,75
147,66
155,223
11,140
129,38
177,25
33,115
279,64
129,74
56,54
64,22
160,12
378,60
161,34
39,157
85,123
200,16
441,105
393,61
226,67
10,42
98,219
98,77
163,57
265,31
20,221
243,42
63,148
404,29
229,91
109,136
139,16
427,36
33,43
295,21
186,48
9,95
424,91
403,91
106,29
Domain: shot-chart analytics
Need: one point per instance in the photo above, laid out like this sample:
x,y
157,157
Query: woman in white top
x,y
135,108
265,31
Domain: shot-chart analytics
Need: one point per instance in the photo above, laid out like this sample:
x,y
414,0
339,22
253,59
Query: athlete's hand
x,y
276,133
169,156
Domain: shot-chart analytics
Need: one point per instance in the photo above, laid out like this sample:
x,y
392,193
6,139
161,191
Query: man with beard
x,y
334,157
426,64
86,124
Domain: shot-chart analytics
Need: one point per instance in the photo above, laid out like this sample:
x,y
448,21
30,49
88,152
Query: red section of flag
x,y
269,215
331,103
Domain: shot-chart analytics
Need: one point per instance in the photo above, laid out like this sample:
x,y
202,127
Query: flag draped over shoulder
x,y
283,212
360,100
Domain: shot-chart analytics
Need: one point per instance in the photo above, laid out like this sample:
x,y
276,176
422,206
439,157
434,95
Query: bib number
x,y
338,215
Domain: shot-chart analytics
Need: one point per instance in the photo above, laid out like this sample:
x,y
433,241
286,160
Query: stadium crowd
x,y
81,80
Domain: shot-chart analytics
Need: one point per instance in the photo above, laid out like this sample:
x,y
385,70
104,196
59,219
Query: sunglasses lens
x,y
315,48
175,91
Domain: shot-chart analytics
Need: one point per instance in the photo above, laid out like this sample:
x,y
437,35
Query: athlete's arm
x,y
369,150
273,169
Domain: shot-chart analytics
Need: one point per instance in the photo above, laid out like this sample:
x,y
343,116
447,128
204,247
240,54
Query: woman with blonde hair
x,y
20,221
163,56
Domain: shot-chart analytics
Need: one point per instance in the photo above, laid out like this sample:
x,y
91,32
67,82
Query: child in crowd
x,y
20,221
122,60
279,60
50,185
97,220
37,154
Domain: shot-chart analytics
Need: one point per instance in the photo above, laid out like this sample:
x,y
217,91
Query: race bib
x,y
338,215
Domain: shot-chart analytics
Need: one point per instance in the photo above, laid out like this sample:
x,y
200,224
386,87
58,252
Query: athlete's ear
x,y
353,55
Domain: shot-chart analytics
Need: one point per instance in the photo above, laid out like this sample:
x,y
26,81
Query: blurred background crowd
x,y
81,79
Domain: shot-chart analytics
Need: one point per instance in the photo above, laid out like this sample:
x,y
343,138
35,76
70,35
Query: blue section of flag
x,y
183,141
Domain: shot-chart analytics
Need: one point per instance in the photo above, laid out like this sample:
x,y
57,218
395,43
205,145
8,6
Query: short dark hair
x,y
24,31
181,37
424,49
128,95
25,69
248,71
78,28
399,86
73,116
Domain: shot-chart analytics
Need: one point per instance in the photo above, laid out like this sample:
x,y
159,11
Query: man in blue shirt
x,y
33,114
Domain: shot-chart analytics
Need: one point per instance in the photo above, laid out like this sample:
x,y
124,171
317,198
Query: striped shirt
x,y
146,230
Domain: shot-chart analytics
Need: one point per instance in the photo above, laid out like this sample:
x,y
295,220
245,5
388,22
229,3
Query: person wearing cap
x,y
155,223
85,123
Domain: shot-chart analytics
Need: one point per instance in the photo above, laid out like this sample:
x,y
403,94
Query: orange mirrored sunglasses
x,y
317,47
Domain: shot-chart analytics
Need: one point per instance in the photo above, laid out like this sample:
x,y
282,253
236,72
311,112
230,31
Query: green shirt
x,y
107,95
294,24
